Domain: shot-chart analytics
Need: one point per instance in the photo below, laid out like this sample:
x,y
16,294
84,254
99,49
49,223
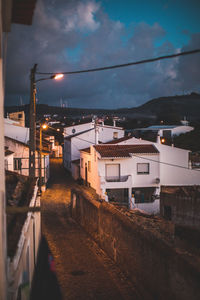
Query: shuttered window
x,y
112,172
143,168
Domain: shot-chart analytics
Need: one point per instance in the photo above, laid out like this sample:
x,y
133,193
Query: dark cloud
x,y
60,27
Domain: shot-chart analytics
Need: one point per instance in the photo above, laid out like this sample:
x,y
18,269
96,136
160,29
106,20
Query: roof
x,y
22,11
124,150
162,127
86,150
125,138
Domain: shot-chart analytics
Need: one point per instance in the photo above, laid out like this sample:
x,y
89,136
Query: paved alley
x,y
82,270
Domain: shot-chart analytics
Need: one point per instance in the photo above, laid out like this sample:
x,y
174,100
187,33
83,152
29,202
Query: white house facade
x,y
135,167
121,170
21,265
92,135
20,157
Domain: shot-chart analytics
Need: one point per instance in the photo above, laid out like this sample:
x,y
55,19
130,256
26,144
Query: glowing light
x,y
57,76
162,140
44,126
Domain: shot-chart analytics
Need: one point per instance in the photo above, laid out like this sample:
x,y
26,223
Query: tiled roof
x,y
124,150
116,141
86,150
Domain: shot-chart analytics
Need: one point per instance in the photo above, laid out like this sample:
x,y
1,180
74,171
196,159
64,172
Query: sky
x,y
82,34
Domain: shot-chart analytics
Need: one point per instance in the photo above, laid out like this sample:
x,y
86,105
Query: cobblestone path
x,y
83,270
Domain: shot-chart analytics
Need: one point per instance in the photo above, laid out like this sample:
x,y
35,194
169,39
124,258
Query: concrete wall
x,y
9,162
70,130
106,133
185,211
21,266
156,268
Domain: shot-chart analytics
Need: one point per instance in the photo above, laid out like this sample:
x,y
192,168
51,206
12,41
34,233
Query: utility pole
x,y
32,119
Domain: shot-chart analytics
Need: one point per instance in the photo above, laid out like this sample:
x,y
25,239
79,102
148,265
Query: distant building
x,y
166,131
19,117
81,136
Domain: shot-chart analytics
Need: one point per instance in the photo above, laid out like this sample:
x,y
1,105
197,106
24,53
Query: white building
x,y
135,167
168,130
8,14
92,134
9,160
23,244
21,159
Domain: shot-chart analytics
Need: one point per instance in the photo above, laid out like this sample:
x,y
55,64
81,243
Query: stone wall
x,y
156,268
185,211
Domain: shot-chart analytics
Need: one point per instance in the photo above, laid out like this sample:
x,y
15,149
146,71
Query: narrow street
x,y
82,270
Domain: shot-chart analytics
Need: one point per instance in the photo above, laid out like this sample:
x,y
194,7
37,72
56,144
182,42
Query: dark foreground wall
x,y
185,211
156,268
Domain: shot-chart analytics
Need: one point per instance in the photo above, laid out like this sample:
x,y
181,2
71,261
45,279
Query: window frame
x,y
17,164
117,179
143,173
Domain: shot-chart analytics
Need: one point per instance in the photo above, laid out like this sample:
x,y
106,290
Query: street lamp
x,y
42,126
32,117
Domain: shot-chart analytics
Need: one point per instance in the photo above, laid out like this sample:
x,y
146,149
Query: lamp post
x,y
42,126
32,117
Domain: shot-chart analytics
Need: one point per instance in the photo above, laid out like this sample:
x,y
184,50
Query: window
x,y
17,164
20,116
6,164
115,135
112,172
81,162
89,166
143,168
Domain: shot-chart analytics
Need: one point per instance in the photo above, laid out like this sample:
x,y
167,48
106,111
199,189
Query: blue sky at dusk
x,y
75,35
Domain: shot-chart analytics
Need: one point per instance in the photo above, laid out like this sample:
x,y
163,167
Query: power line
x,y
125,65
148,159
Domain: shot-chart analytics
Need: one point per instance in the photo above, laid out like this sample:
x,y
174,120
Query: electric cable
x,y
149,60
160,162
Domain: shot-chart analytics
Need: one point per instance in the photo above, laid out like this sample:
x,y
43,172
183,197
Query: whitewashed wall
x,y
26,253
77,128
105,133
128,167
16,132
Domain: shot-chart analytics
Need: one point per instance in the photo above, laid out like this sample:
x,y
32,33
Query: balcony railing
x,y
117,178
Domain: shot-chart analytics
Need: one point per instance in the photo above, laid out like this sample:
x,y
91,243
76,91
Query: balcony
x,y
116,182
117,178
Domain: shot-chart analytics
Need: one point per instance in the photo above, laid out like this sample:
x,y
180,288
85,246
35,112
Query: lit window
x,y
115,135
143,168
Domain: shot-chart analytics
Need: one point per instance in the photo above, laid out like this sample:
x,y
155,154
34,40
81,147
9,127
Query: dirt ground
x,y
83,270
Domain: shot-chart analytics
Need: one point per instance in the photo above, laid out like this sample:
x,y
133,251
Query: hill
x,y
175,107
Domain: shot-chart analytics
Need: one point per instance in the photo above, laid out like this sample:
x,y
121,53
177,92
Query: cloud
x,y
73,35
82,17
188,71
